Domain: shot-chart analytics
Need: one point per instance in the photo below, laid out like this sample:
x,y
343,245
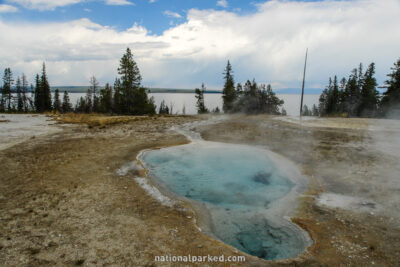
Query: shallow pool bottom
x,y
239,186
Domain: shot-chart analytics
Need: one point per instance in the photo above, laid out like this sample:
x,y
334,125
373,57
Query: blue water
x,y
237,184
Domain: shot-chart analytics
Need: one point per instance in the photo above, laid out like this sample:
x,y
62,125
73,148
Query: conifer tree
x,y
201,108
20,103
342,96
239,90
66,104
6,92
81,105
2,101
354,92
228,92
94,87
39,99
163,108
306,111
45,89
118,97
332,104
272,102
131,98
106,99
57,103
88,101
323,100
369,95
25,98
390,104
315,111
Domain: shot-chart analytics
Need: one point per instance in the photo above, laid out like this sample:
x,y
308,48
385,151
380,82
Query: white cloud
x,y
118,2
7,8
44,4
171,14
152,1
266,45
222,3
52,4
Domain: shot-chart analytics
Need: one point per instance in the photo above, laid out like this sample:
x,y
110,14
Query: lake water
x,y
188,100
238,185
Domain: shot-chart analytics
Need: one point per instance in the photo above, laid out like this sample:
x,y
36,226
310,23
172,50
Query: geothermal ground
x,y
63,199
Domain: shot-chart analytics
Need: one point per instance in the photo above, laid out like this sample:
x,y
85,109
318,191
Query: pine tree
x,y
66,104
25,98
335,95
315,111
390,104
6,92
306,111
249,102
20,103
239,89
323,100
45,88
94,86
106,99
118,97
39,99
163,108
201,108
273,102
134,98
369,94
228,92
88,101
342,96
57,103
129,71
81,105
2,101
354,93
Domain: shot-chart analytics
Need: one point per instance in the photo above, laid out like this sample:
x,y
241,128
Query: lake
x,y
188,100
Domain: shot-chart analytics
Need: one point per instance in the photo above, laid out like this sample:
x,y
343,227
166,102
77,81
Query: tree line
x,y
126,97
249,98
357,96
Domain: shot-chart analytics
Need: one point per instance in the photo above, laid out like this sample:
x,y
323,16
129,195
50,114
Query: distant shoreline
x,y
83,89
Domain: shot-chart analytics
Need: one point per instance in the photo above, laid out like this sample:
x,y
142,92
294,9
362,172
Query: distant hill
x,y
83,89
179,91
291,91
72,89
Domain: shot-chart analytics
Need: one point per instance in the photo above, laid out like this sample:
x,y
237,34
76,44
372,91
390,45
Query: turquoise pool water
x,y
238,185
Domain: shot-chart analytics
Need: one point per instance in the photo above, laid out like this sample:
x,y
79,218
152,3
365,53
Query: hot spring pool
x,y
239,186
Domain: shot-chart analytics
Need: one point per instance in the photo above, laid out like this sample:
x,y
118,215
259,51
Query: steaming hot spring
x,y
244,194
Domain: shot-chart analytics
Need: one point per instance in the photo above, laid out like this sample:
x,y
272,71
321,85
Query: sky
x,y
183,43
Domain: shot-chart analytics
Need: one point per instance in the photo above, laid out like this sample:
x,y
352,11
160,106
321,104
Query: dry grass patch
x,y
97,120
